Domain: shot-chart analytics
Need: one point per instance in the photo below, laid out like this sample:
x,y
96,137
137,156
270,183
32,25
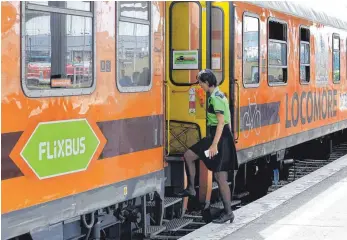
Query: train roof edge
x,y
305,12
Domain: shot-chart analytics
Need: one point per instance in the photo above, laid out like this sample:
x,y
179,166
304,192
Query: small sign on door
x,y
216,61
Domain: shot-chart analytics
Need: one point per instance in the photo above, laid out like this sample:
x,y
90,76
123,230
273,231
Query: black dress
x,y
226,159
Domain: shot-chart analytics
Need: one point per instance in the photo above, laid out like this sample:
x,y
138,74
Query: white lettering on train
x,y
62,148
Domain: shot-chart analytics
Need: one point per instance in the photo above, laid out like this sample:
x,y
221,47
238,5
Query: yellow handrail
x,y
238,110
168,118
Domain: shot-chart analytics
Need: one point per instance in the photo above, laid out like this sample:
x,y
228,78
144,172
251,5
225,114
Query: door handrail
x,y
238,110
168,117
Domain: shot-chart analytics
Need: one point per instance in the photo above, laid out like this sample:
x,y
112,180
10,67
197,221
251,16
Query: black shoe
x,y
225,217
186,193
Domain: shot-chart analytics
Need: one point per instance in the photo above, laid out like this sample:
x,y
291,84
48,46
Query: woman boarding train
x,y
221,156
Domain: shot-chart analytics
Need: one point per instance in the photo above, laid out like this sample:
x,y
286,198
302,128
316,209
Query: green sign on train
x,y
61,147
185,60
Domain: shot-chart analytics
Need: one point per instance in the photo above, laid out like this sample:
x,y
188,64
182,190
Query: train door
x,y
196,38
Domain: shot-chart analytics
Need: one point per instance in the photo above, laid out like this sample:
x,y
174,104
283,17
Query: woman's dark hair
x,y
207,76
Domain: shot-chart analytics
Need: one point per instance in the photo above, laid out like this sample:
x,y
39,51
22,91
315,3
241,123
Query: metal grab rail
x,y
168,118
238,110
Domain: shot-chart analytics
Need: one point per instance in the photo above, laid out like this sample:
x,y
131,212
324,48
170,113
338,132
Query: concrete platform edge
x,y
256,209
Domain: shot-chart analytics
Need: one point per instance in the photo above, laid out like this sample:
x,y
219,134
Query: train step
x,y
168,201
196,217
219,205
215,185
176,224
151,231
174,159
241,195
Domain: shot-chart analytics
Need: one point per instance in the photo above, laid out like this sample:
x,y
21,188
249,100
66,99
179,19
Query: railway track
x,y
302,167
174,228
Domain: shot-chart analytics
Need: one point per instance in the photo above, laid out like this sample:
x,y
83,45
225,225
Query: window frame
x,y
59,92
309,44
170,42
251,85
336,35
223,44
272,84
149,22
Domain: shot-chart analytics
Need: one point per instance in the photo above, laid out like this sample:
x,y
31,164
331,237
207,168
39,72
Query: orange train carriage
x,y
98,106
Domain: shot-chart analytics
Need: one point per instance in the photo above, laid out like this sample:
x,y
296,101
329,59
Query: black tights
x,y
224,189
221,178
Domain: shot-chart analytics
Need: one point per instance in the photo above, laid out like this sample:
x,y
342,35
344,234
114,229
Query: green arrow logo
x,y
61,147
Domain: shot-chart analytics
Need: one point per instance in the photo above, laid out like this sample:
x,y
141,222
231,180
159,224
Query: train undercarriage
x,y
154,217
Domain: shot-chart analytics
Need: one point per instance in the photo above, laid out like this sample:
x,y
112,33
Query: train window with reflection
x,y
217,44
304,55
250,50
336,58
57,43
185,42
77,5
277,53
134,46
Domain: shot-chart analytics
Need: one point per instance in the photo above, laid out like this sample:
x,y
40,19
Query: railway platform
x,y
312,207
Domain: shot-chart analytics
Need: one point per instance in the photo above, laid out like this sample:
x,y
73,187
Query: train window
x,y
250,50
58,48
217,44
137,10
185,42
134,47
277,53
322,67
336,58
77,5
304,55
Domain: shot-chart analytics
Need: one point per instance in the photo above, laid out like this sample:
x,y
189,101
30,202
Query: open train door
x,y
197,37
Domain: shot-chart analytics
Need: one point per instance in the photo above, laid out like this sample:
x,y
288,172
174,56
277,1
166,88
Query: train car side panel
x,y
131,135
277,115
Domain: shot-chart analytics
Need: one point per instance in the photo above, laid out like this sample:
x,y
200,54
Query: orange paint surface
x,y
20,113
266,94
100,173
105,103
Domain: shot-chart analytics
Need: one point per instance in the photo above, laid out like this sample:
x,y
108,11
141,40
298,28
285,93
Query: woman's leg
x,y
224,189
189,158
